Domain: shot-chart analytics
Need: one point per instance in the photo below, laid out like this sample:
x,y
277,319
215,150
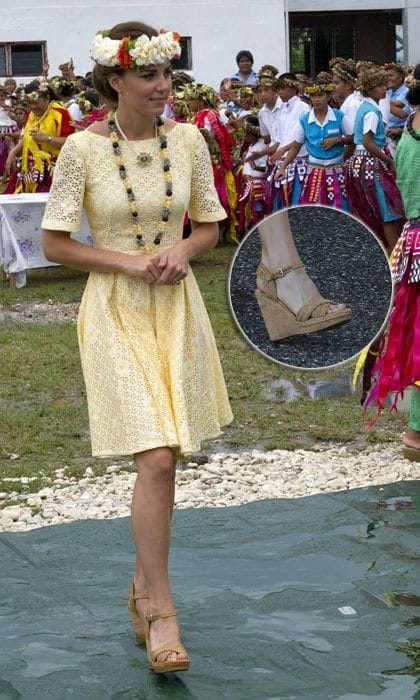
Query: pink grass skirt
x,y
398,363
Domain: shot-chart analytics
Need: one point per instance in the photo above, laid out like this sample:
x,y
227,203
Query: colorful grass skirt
x,y
325,184
372,192
285,192
398,363
251,203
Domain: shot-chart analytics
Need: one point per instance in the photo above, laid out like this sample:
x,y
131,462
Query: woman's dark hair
x,y
66,89
35,85
413,95
252,119
244,54
100,74
92,96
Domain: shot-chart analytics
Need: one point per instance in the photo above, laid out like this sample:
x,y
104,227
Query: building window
x,y
22,58
185,60
312,47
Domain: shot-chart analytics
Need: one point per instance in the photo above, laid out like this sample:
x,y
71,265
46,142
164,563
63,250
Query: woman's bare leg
x,y
151,510
278,250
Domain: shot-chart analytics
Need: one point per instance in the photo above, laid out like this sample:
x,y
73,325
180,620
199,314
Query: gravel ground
x,y
39,312
227,479
346,263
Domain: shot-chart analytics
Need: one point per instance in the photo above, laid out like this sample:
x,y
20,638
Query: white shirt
x,y
290,114
350,106
371,119
269,119
74,110
385,107
259,162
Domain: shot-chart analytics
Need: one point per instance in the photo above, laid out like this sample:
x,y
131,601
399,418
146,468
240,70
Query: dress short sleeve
x,y
204,203
65,202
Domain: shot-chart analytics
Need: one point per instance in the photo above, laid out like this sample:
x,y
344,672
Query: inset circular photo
x,y
310,287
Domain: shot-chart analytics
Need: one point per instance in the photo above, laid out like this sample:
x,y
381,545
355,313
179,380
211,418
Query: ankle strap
x,y
270,276
282,271
157,616
267,283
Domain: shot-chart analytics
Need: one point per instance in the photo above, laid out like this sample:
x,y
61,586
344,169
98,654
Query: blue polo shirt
x,y
312,132
250,79
398,95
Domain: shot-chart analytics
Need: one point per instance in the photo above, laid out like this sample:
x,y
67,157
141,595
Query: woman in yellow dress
x,y
154,383
46,130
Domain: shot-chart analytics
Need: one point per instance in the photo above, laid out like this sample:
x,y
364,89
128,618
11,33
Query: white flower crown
x,y
129,53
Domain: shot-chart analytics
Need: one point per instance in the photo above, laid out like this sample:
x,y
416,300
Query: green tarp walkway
x,y
258,590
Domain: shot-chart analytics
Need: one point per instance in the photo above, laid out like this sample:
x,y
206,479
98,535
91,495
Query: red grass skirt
x,y
365,176
251,203
398,364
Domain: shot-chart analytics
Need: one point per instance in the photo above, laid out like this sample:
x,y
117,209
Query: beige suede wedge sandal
x,y
281,322
164,665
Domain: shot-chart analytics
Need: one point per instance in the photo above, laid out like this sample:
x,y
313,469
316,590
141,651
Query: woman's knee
x,y
156,464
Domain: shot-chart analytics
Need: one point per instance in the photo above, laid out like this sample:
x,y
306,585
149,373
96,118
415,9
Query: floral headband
x,y
251,129
345,73
395,66
41,91
288,82
128,53
411,82
318,88
196,91
372,79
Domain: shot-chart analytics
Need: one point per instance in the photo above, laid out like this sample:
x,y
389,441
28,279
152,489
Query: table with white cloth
x,y
20,234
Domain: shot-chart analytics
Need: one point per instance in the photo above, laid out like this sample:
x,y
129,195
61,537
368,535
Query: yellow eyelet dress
x,y
151,367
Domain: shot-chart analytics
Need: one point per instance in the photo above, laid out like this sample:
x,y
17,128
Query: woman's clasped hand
x,y
168,267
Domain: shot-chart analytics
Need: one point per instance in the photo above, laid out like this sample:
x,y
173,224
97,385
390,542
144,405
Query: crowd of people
x,y
154,382
275,140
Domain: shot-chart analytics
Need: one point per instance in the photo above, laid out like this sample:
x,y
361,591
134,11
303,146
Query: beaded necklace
x,y
166,163
409,126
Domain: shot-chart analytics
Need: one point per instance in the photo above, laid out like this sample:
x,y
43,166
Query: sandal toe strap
x,y
176,648
307,310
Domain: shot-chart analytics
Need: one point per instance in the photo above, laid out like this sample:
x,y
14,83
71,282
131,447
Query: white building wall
x,y
411,20
219,29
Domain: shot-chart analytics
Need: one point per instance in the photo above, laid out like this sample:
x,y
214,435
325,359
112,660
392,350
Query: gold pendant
x,y
144,158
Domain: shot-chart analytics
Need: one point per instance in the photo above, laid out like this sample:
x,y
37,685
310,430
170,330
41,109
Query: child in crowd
x,y
287,189
370,173
253,189
324,131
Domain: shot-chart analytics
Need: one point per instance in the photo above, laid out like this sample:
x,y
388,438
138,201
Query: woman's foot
x,y
297,289
291,304
163,633
411,438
